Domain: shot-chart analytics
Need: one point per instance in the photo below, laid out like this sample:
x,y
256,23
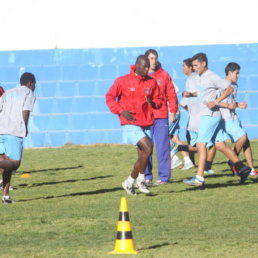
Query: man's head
x,y
200,63
187,66
152,54
232,72
28,80
142,65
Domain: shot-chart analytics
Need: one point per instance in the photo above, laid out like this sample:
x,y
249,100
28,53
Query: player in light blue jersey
x,y
207,84
15,106
232,124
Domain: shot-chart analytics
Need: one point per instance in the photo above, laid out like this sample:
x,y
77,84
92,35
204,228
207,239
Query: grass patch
x,y
70,205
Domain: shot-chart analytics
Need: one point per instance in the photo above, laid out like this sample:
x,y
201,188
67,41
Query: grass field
x,y
70,207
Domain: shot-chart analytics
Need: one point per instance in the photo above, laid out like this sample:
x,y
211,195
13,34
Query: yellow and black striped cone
x,y
124,240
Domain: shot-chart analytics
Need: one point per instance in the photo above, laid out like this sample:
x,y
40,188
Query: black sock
x,y
183,148
238,165
207,165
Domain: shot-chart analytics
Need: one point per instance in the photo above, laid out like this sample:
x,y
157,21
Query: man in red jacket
x,y
160,128
133,97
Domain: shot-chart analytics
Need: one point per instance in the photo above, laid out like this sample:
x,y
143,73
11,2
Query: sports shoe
x,y
173,149
233,168
176,163
188,165
209,172
159,182
244,173
148,182
143,188
194,181
253,172
7,200
129,190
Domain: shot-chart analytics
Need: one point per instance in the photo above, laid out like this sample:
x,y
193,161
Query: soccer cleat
x,y
244,173
176,163
253,173
159,182
233,168
194,181
173,149
7,200
143,188
129,190
148,182
188,165
209,172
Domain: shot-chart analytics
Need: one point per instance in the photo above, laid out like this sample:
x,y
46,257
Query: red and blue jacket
x,y
129,93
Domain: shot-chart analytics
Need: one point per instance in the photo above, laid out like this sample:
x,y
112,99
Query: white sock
x,y
200,178
130,181
187,159
141,177
175,158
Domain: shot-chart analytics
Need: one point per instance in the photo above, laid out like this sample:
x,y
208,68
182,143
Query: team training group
x,y
146,102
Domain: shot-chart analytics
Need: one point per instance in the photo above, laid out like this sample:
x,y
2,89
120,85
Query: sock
x,y
130,181
175,158
187,159
238,165
207,165
183,148
141,177
200,178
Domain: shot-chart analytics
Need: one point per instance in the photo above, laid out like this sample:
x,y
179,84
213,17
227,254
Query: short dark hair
x,y
231,67
151,51
201,57
141,58
27,77
188,62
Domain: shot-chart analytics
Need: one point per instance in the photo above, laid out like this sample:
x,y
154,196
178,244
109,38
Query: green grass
x,y
70,206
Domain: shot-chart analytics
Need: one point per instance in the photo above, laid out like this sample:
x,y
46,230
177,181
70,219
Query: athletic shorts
x,y
11,146
193,139
234,130
174,127
133,133
211,130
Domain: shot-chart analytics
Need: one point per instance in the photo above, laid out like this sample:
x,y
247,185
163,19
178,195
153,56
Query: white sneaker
x,y
209,172
143,188
188,165
176,163
129,190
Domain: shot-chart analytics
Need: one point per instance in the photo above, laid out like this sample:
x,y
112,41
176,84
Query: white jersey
x,y
12,103
207,85
229,114
192,104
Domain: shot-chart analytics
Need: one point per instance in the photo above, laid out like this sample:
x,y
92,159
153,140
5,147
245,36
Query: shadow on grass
x,y
156,246
61,182
49,169
219,185
100,191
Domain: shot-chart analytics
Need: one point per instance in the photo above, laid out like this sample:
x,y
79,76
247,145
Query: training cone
x,y
124,240
25,175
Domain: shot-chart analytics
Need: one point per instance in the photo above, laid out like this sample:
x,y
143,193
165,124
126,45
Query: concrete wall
x,y
71,87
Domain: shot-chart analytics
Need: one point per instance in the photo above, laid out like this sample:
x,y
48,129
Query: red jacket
x,y
129,93
167,92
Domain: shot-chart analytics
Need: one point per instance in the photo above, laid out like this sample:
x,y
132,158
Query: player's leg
x,y
249,157
162,144
12,147
141,139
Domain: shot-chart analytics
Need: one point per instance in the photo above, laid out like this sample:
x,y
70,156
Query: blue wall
x,y
71,87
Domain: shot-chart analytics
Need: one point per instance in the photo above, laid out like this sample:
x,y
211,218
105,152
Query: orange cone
x,y
25,175
124,240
